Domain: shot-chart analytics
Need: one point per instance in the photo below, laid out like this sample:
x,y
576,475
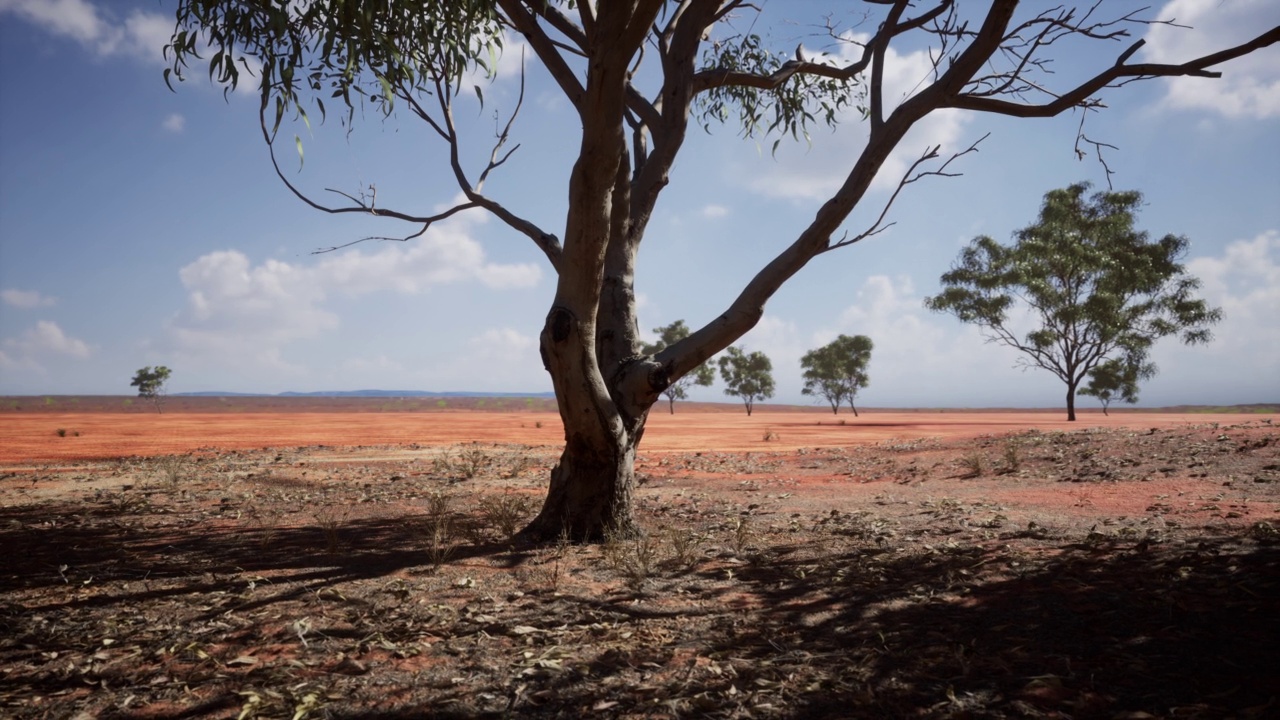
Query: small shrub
x,y
538,424
741,535
440,540
438,504
330,521
172,469
62,432
684,544
506,513
473,460
770,436
518,465
1011,460
633,558
973,465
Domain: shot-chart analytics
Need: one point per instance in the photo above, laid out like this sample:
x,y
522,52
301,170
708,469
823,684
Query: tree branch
x,y
526,23
907,178
1079,95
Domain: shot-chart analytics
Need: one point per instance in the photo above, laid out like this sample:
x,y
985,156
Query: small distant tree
x,y
836,371
1118,380
150,383
702,375
748,376
1099,290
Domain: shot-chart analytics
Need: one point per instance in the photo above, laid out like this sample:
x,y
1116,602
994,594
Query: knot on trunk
x,y
659,378
639,380
561,323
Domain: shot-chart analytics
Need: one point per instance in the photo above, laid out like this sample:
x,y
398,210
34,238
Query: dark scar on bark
x,y
561,322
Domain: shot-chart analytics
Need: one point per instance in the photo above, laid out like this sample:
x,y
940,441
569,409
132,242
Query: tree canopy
x,y
637,74
151,384
1117,379
746,375
1099,293
702,375
836,371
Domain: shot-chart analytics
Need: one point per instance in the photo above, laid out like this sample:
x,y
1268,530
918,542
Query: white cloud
x,y
714,211
25,299
801,172
247,315
140,34
174,123
1249,86
43,341
1245,282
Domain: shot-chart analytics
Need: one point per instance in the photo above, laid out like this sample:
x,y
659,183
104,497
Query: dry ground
x,y
934,567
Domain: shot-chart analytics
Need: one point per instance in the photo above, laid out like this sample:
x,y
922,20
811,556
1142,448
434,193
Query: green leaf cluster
x,y
703,375
746,375
350,50
150,383
1117,379
1097,289
836,371
791,108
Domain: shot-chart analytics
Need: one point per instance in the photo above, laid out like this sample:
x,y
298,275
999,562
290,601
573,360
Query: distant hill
x,y
372,393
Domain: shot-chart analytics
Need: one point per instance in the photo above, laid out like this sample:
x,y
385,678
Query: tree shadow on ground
x,y
70,544
1176,629
1086,632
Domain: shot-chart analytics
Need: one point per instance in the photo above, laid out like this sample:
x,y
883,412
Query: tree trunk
x,y
590,493
671,405
854,409
591,488
1071,403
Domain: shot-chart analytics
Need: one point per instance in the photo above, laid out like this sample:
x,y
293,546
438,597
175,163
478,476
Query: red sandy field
x,y
357,558
32,435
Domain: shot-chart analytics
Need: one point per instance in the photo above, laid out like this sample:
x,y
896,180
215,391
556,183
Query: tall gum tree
x,y
637,73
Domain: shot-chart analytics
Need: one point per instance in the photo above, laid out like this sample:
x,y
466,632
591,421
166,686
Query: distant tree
x,y
702,375
635,77
749,377
836,371
1098,289
1118,380
150,383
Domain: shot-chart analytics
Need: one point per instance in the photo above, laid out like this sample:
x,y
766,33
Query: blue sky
x,y
140,226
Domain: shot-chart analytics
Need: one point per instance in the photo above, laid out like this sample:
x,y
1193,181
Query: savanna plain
x,y
357,558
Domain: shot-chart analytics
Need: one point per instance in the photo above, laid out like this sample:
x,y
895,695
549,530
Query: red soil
x,y
35,436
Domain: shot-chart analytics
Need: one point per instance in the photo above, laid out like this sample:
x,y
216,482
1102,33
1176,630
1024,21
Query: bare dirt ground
x,y
932,565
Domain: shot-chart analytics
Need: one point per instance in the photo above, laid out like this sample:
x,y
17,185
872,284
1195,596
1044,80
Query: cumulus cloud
x,y
174,123
94,26
1249,86
248,314
1245,282
25,299
43,341
804,173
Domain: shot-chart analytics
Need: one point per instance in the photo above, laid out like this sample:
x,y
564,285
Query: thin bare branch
x,y
1097,147
1081,94
910,176
406,238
